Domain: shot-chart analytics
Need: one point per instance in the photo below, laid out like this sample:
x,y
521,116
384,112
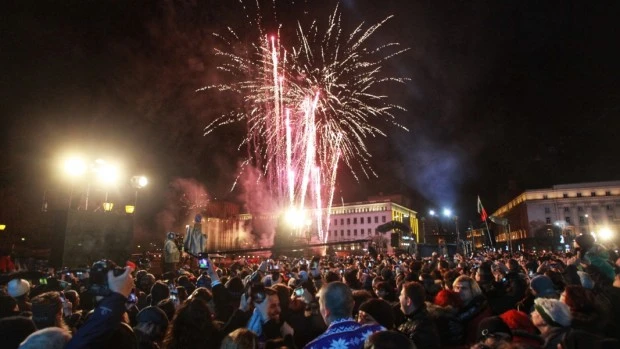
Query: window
x,y
348,221
382,219
567,219
545,196
354,232
547,210
593,193
342,233
376,219
578,195
341,221
565,195
369,219
579,208
336,221
607,193
369,232
362,232
348,232
548,220
609,207
582,219
566,209
355,220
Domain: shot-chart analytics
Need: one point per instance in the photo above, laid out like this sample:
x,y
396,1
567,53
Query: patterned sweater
x,y
344,334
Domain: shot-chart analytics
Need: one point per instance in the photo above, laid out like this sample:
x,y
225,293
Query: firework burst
x,y
309,104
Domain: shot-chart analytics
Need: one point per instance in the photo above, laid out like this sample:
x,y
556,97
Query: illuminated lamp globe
x,y
605,233
75,167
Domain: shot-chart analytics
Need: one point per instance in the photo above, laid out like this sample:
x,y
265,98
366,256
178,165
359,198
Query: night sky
x,y
504,96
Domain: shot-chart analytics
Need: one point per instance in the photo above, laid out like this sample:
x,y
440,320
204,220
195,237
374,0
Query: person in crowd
x,y
14,329
444,311
47,310
475,307
108,313
523,330
20,290
388,340
8,306
493,333
240,338
586,313
171,253
49,338
376,311
151,327
419,326
336,307
192,327
159,292
553,320
264,319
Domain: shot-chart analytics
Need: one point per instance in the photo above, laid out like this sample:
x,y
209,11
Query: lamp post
x,y
138,182
448,213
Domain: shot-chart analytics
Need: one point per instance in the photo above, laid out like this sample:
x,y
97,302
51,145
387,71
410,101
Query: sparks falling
x,y
308,107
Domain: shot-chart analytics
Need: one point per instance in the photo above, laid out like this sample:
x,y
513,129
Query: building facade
x,y
359,221
551,218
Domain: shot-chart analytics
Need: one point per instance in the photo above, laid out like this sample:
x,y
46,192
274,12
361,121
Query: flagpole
x,y
489,233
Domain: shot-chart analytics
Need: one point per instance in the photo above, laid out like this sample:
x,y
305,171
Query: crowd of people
x,y
485,300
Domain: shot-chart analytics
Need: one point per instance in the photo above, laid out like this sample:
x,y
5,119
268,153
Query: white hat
x,y
18,287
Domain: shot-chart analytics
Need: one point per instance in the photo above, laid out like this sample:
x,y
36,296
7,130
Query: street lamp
x,y
448,213
2,227
138,182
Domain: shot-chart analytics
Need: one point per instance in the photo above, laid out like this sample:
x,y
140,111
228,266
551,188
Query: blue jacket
x,y
104,320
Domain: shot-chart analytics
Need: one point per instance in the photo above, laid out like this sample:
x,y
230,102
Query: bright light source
x,y
431,212
2,226
105,172
107,206
139,182
129,209
447,212
605,233
75,167
294,217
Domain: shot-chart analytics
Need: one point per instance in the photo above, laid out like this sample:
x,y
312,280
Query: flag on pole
x,y
482,211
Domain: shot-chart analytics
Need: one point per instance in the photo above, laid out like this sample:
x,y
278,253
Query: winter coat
x,y
471,316
171,252
195,241
421,329
451,330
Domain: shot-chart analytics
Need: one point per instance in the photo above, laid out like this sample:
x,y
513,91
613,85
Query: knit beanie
x,y
554,312
585,241
518,320
493,325
18,287
543,286
380,310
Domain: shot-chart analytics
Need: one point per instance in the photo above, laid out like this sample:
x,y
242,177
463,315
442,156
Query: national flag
x,y
481,210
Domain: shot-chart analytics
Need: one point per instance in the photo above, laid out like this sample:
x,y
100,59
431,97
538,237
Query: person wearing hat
x,y
376,311
419,326
20,290
195,241
553,320
542,287
171,253
151,326
493,332
590,253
